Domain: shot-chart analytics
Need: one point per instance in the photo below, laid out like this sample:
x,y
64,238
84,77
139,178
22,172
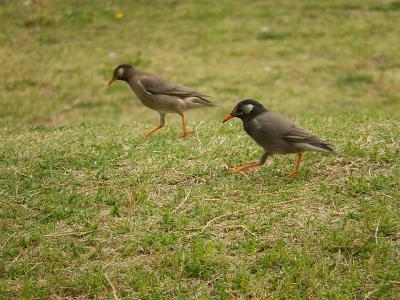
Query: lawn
x,y
90,208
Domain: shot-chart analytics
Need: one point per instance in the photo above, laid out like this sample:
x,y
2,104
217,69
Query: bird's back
x,y
278,134
267,130
164,96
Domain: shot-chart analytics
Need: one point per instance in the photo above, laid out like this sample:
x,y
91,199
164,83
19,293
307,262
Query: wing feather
x,y
302,137
155,85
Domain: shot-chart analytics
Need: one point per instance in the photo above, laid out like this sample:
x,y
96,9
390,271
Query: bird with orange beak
x,y
160,95
275,133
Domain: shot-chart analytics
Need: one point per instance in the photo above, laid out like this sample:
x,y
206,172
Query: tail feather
x,y
197,102
319,147
327,147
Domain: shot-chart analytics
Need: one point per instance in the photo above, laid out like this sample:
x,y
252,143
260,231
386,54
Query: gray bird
x,y
275,133
160,95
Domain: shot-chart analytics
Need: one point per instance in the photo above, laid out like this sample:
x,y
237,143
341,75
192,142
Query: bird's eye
x,y
247,108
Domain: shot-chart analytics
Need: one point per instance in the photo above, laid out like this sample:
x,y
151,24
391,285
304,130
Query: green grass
x,y
92,209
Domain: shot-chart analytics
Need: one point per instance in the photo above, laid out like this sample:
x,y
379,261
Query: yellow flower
x,y
119,15
359,27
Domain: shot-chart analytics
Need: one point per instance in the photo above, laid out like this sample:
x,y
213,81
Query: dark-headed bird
x,y
161,95
275,133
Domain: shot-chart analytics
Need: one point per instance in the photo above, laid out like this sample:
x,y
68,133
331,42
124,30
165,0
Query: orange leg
x,y
153,130
296,170
162,121
185,130
245,168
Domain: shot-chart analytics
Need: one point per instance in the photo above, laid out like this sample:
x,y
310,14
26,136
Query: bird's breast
x,y
145,97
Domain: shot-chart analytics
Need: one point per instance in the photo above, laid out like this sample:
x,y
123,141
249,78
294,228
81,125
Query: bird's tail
x,y
326,148
198,102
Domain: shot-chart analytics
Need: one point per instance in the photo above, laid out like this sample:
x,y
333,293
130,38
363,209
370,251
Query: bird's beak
x,y
227,117
111,81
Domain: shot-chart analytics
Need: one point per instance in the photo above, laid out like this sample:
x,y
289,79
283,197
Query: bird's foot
x,y
238,170
152,131
148,133
244,169
186,133
294,174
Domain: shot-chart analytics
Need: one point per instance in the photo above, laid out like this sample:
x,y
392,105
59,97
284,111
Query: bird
x,y
275,133
161,95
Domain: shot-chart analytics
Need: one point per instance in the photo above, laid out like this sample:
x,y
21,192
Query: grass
x,y
92,209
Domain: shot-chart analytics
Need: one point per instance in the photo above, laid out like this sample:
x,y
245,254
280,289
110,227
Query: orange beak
x,y
111,81
227,117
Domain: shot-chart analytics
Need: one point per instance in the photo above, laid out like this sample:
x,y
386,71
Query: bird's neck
x,y
130,73
247,118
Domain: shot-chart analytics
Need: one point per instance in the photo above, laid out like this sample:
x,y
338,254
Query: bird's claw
x,y
186,133
238,170
294,174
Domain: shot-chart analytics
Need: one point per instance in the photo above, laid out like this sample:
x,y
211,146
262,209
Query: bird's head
x,y
246,110
121,73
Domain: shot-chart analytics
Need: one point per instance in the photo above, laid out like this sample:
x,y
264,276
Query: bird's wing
x,y
155,85
307,141
297,134
272,123
276,126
